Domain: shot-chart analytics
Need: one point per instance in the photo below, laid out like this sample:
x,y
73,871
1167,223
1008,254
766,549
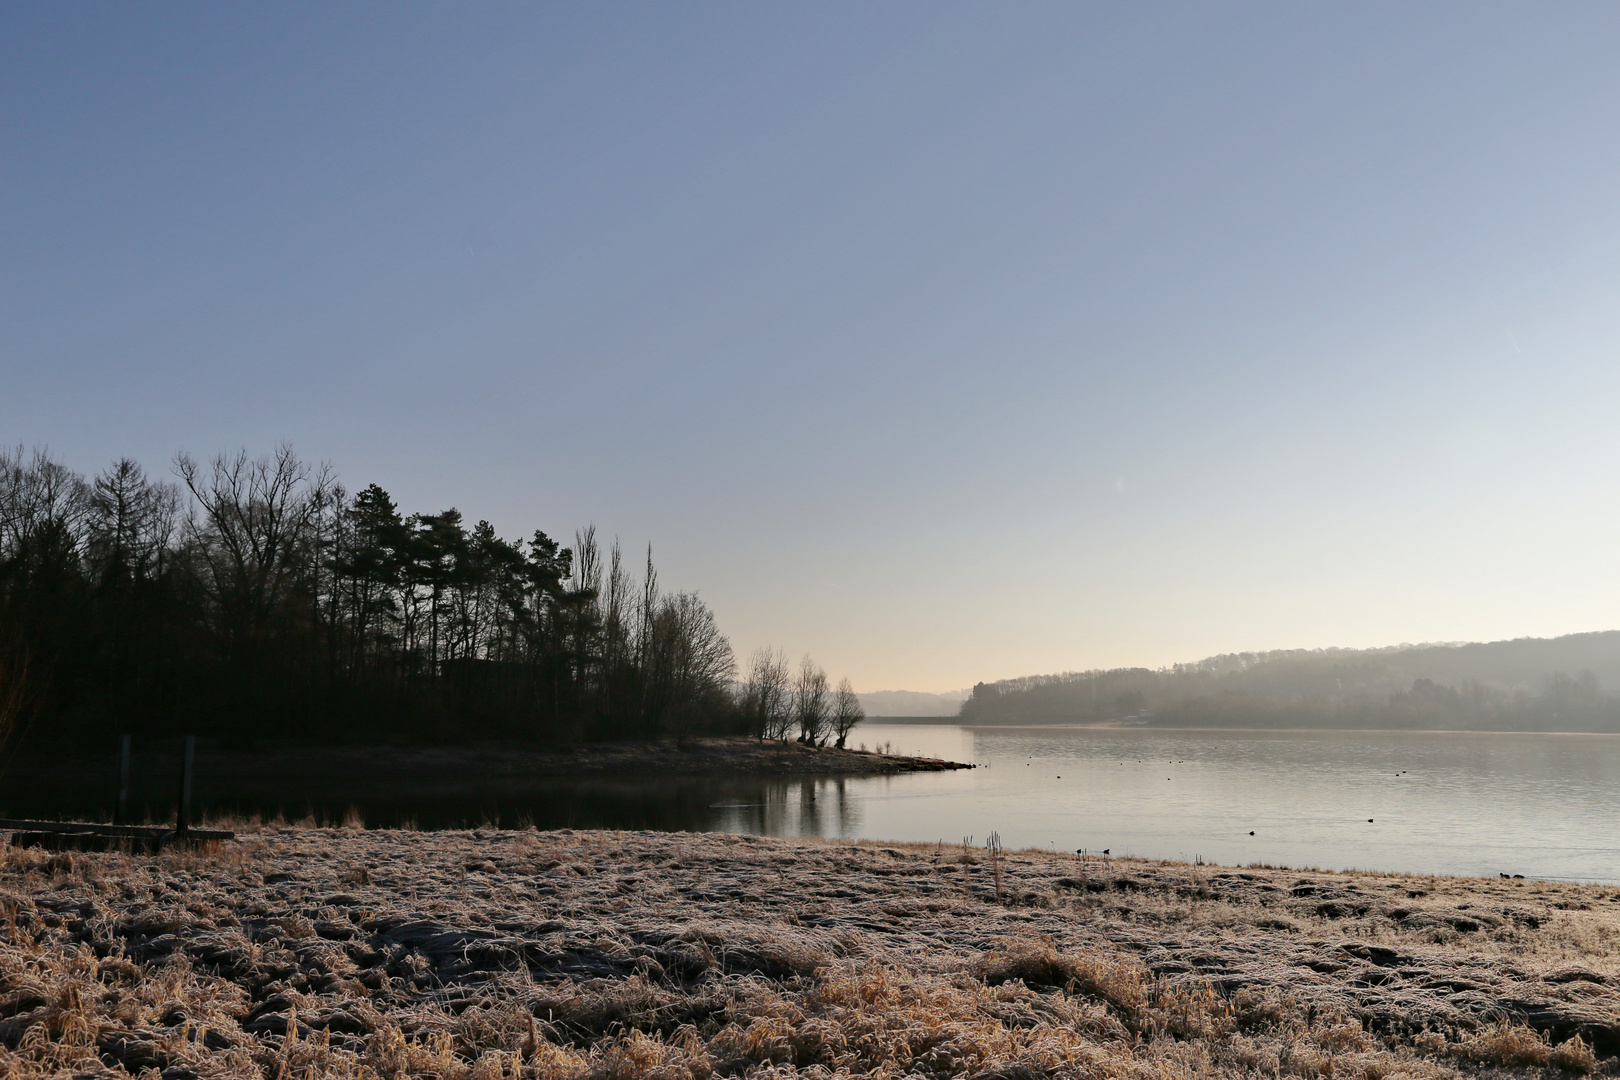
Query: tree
x,y
766,700
246,542
129,534
131,522
701,662
44,598
368,568
846,711
438,550
42,506
810,705
279,603
692,668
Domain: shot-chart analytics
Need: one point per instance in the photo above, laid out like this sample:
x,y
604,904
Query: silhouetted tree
x,y
368,572
766,701
277,603
810,706
245,539
846,711
130,523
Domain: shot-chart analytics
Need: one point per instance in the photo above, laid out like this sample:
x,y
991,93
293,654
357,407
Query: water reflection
x,y
772,806
806,807
1425,802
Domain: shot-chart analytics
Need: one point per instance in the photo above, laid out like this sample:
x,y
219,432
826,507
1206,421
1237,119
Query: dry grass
x,y
465,956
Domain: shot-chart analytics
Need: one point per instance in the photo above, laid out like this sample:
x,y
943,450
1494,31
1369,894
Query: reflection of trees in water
x,y
848,818
801,807
771,807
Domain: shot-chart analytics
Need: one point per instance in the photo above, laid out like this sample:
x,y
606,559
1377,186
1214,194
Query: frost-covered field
x,y
312,952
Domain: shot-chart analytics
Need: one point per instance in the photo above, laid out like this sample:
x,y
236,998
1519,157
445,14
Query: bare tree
x,y
618,625
810,705
702,662
648,612
766,699
43,510
131,520
13,495
846,711
253,523
692,665
43,505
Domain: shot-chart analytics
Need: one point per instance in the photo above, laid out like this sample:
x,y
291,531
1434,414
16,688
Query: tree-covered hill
x,y
1526,684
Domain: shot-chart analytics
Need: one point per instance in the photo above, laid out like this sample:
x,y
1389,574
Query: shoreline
x,y
496,770
1120,725
578,954
707,755
635,785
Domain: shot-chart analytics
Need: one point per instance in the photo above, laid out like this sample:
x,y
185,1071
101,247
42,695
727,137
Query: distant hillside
x,y
911,703
1528,684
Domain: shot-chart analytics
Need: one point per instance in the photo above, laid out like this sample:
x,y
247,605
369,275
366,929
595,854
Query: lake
x,y
1542,805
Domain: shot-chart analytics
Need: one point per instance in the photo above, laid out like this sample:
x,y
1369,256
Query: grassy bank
x,y
310,952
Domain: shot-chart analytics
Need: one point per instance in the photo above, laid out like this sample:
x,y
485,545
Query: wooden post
x,y
121,815
183,818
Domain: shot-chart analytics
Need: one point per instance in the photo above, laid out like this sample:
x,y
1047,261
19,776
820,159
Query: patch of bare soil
x,y
312,952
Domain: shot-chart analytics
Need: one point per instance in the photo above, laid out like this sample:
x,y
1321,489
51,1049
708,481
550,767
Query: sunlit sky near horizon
x,y
945,342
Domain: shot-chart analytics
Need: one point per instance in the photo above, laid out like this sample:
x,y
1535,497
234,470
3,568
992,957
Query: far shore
x,y
1135,725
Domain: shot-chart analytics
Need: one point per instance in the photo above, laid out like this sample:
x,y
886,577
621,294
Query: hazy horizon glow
x,y
948,344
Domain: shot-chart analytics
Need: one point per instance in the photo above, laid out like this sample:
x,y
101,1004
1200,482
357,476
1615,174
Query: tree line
x,y
1521,685
257,600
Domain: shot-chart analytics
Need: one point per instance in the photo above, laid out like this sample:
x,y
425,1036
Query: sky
x,y
946,342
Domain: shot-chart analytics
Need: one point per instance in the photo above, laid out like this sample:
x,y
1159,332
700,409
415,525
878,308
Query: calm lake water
x,y
1439,802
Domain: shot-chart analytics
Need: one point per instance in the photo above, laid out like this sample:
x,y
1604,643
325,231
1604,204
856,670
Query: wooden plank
x,y
145,831
89,841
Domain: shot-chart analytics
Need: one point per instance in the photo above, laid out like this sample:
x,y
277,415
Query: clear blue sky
x,y
947,342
